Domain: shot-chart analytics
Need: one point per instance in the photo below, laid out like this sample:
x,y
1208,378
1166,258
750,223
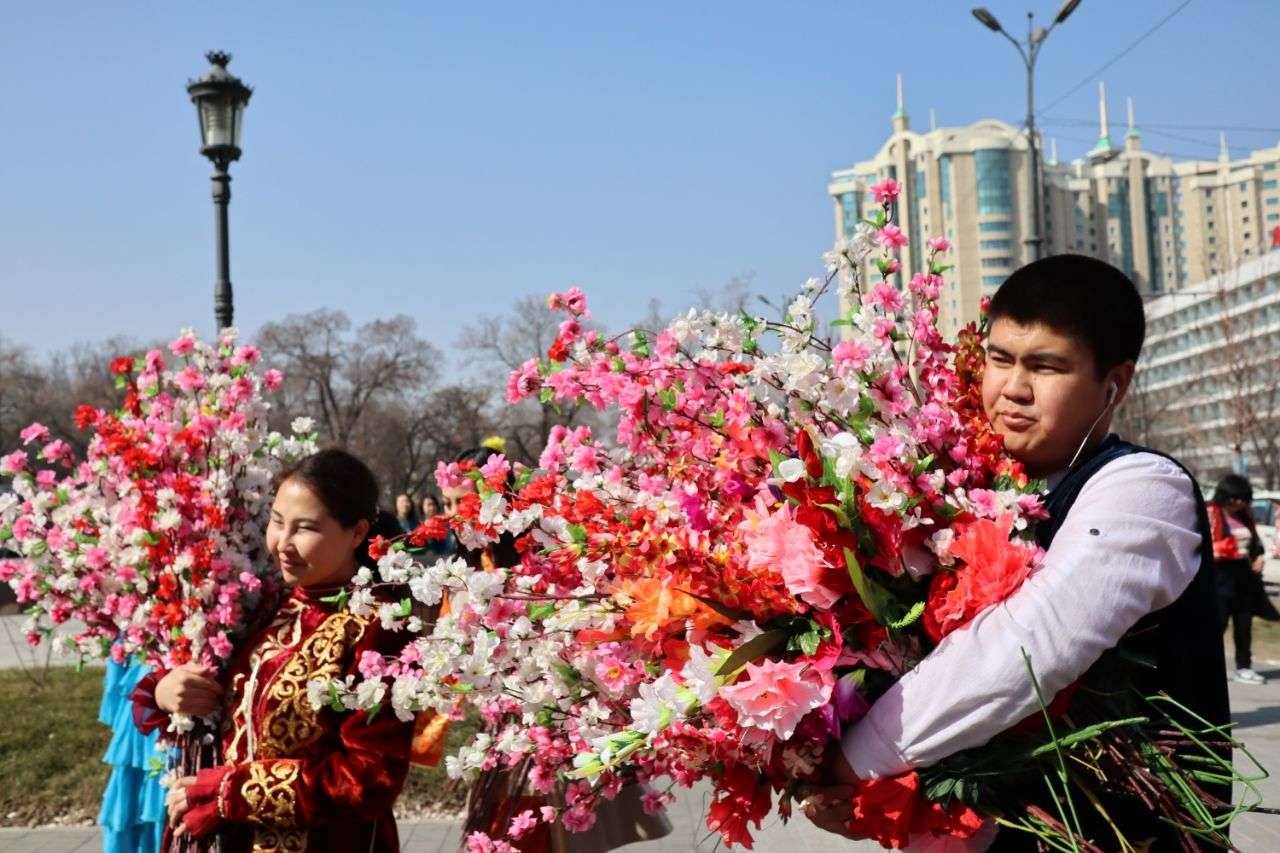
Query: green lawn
x,y
51,746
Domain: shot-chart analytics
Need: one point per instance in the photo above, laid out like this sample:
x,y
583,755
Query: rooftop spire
x,y
1133,127
1053,150
933,119
1104,149
900,122
1224,155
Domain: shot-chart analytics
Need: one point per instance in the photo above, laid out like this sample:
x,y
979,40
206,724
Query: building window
x,y
1244,203
1271,184
993,280
1273,217
993,226
1213,239
1244,219
1273,200
997,262
944,182
1208,209
850,213
996,244
1248,235
995,189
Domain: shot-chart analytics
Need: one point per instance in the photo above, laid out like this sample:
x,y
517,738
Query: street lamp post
x,y
220,99
1029,53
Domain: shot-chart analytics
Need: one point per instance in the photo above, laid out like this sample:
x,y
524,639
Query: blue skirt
x,y
132,815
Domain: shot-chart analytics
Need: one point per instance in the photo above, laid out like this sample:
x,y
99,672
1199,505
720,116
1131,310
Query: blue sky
x,y
442,160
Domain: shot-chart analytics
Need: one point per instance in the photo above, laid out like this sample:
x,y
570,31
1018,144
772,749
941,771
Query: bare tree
x,y
340,377
501,345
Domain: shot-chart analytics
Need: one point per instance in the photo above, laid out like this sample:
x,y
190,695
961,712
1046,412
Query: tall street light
x,y
1029,52
220,99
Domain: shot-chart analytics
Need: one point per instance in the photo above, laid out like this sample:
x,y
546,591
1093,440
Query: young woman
x,y
1239,556
295,778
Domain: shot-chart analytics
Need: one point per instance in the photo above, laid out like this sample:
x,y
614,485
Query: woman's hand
x,y
176,802
1259,564
189,690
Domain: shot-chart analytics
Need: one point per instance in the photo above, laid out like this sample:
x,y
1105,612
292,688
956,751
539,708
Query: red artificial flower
x,y
741,797
732,368
891,810
378,547
121,366
992,568
86,416
812,461
433,529
559,351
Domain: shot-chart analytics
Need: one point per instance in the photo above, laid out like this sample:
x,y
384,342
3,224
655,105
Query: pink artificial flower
x,y
775,695
892,266
850,355
184,345
887,191
35,432
939,244
371,664
522,824
272,380
449,475
575,300
666,345
14,463
247,355
777,542
55,450
654,802
496,469
189,379
523,382
46,477
885,297
886,449
891,237
548,814
220,645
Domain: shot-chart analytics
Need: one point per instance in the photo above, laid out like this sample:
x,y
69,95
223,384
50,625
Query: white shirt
x,y
1128,546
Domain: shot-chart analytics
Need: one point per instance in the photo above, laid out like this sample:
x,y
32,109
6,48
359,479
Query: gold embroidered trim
x,y
291,724
269,840
284,631
269,793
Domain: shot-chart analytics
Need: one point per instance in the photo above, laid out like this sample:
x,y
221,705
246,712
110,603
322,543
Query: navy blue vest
x,y
1183,641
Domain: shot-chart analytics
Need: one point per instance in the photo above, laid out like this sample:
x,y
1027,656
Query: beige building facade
x,y
1165,222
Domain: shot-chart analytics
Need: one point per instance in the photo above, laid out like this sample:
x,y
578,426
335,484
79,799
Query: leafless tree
x,y
342,377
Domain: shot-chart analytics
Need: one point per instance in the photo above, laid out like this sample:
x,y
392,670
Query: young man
x,y
1126,539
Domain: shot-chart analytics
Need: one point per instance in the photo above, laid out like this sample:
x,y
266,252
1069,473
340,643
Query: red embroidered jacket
x,y
296,778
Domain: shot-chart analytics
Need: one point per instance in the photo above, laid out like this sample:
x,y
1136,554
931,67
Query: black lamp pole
x,y
1029,54
220,99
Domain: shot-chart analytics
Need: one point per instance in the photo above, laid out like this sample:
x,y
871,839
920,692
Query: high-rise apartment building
x,y
1165,222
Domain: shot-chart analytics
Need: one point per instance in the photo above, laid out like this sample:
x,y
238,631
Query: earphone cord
x,y
1092,427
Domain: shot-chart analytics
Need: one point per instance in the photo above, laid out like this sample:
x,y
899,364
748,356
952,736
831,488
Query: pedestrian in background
x,y
406,518
1239,554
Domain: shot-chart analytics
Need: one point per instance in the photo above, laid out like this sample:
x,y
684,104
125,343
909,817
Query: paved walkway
x,y
1255,709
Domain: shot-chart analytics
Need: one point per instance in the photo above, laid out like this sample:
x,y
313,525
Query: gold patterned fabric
x,y
298,778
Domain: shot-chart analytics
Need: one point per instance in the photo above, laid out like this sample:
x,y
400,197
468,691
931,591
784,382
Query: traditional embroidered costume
x,y
295,778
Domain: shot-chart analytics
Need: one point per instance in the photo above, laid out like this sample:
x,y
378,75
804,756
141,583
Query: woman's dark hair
x,y
342,482
1232,487
1082,297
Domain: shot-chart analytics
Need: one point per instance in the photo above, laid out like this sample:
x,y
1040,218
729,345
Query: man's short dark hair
x,y
1083,297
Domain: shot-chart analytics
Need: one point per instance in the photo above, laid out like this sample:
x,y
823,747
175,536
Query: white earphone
x,y
1113,391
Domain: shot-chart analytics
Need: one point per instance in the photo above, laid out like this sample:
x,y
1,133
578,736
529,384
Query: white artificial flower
x,y
791,470
302,426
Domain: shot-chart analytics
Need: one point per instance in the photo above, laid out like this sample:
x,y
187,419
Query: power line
x,y
1160,125
1121,55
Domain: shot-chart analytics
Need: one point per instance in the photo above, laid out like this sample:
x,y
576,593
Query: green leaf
x,y
373,712
5,534
462,688
717,419
405,608
923,465
668,398
912,615
875,597
726,612
546,395
751,650
618,365
640,344
539,610
335,701
339,598
578,533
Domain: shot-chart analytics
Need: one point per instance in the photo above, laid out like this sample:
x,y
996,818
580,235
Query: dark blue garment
x,y
1183,640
